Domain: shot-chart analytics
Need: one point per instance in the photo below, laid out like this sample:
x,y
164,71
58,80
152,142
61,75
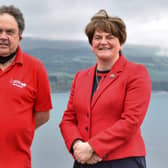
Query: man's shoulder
x,y
30,58
32,63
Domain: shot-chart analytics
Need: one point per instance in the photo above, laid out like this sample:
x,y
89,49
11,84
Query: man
x,y
25,98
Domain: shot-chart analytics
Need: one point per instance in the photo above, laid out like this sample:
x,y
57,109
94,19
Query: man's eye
x,y
1,31
10,32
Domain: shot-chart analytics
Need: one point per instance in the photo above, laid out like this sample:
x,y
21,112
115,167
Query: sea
x,y
49,151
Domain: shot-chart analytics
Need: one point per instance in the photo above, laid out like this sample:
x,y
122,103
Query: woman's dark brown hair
x,y
102,22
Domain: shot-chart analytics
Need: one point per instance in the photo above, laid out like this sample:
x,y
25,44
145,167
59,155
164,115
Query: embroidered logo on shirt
x,y
18,83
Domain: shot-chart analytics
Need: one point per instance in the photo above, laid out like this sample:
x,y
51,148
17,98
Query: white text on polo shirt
x,y
18,83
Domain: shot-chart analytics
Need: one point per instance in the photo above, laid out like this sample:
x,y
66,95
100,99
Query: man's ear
x,y
20,37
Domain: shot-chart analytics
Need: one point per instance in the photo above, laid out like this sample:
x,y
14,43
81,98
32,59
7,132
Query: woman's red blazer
x,y
111,120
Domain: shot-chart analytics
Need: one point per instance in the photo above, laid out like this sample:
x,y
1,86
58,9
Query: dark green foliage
x,y
64,58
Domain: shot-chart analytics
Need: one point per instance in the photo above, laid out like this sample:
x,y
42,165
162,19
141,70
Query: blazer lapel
x,y
115,72
89,83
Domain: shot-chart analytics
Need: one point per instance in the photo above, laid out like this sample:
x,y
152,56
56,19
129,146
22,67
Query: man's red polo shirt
x,y
24,89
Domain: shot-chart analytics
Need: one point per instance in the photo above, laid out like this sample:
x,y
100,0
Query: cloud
x,y
146,21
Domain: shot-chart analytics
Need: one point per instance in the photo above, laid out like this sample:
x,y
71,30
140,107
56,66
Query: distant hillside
x,y
64,58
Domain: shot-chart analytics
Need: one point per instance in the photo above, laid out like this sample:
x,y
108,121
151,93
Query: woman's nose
x,y
103,40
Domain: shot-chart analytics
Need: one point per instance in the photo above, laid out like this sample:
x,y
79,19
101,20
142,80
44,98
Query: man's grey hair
x,y
16,13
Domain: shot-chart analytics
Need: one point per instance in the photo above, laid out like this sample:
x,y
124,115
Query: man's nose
x,y
3,34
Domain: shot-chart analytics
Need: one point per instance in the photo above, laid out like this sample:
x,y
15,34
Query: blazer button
x,y
87,115
86,128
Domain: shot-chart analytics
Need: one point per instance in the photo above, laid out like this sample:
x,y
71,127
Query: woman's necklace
x,y
100,75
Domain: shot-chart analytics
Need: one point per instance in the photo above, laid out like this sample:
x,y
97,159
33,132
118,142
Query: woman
x,y
108,103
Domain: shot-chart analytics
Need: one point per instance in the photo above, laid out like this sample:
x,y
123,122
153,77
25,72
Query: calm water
x,y
48,149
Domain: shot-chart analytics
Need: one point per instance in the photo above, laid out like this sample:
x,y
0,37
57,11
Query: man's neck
x,y
7,64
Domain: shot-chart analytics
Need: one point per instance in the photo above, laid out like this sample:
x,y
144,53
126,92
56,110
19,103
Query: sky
x,y
146,20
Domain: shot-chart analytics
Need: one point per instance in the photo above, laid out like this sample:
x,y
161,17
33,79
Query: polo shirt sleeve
x,y
43,94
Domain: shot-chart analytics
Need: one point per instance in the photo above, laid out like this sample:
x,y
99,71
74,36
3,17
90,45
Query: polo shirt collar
x,y
19,56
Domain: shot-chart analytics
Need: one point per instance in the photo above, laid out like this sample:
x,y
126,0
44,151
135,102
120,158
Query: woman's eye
x,y
97,37
110,37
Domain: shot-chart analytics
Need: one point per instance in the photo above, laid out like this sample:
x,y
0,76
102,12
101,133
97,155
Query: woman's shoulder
x,y
86,71
135,67
136,71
